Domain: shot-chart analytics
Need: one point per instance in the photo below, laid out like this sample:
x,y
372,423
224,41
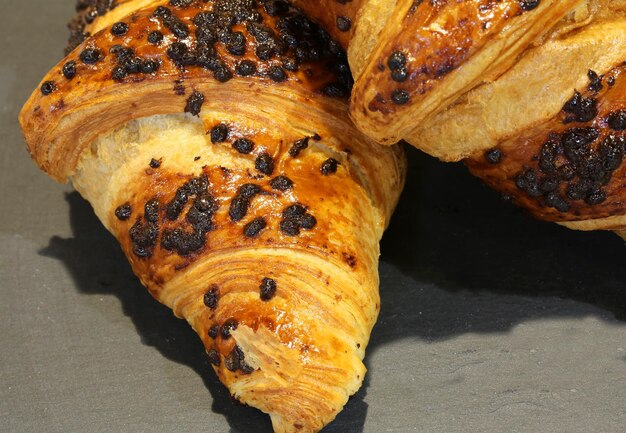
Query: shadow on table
x,y
474,263
463,255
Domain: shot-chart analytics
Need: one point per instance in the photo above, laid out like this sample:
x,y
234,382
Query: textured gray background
x,y
491,322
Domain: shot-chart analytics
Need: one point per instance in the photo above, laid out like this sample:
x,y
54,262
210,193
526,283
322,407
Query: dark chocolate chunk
x,y
253,228
295,218
281,183
214,331
493,156
234,359
182,242
245,68
90,56
48,87
528,5
617,120
240,204
595,197
69,69
243,145
329,166
290,227
581,109
151,210
268,289
276,73
194,103
400,97
396,61
124,212
595,81
298,147
219,133
554,199
399,75
528,182
265,164
144,237
343,23
228,326
119,29
212,297
155,37
214,357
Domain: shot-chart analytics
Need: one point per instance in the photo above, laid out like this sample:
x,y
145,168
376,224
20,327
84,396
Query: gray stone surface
x,y
491,322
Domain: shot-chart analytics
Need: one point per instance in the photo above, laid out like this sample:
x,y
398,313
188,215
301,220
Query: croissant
x,y
529,94
212,140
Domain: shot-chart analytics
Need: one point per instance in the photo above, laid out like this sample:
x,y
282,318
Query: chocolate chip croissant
x,y
212,139
529,93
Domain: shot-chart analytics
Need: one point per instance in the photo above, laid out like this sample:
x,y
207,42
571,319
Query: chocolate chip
x,y
298,147
119,29
245,68
119,73
194,103
400,75
214,331
48,87
268,289
222,74
124,212
528,5
255,227
243,145
228,326
295,218
214,357
90,56
343,23
400,97
277,74
554,199
581,109
219,133
617,120
151,210
281,183
329,166
234,359
241,202
595,197
69,69
212,297
144,237
290,227
265,164
182,242
493,156
396,61
155,37
595,84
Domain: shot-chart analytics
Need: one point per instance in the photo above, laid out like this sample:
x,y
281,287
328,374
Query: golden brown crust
x,y
570,167
444,49
527,95
163,72
480,78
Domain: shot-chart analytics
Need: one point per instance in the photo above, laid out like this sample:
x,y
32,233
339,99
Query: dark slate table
x,y
491,321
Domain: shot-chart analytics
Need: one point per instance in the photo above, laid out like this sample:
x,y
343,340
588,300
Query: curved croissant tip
x,y
302,390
